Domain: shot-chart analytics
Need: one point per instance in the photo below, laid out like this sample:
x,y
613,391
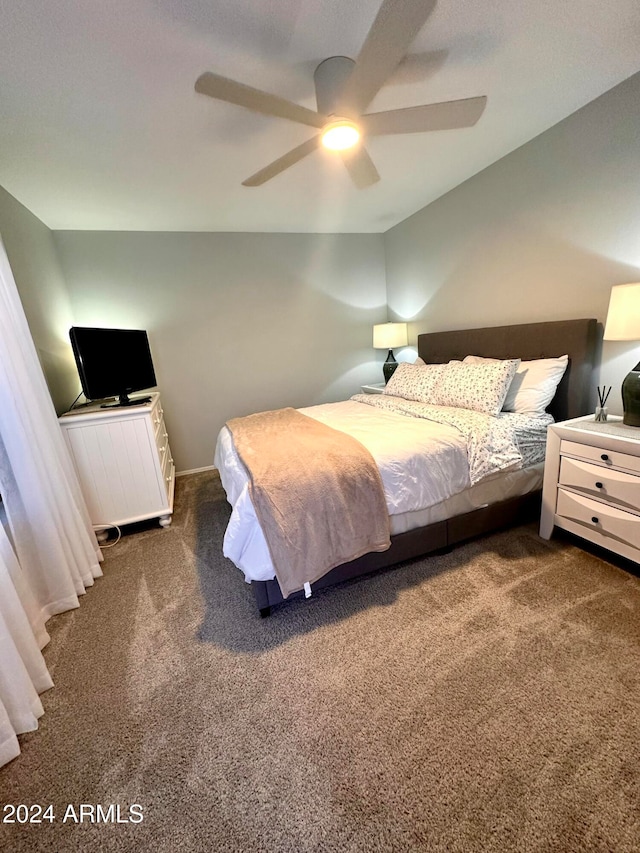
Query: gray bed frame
x,y
579,339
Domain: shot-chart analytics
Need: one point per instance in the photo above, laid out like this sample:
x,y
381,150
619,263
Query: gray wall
x,y
242,322
543,234
34,263
237,323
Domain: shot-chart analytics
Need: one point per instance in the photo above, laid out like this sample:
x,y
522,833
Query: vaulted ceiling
x,y
100,126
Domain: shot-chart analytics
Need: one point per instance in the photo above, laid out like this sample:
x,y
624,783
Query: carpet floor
x,y
483,700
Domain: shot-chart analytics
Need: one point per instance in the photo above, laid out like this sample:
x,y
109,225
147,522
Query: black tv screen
x,y
112,362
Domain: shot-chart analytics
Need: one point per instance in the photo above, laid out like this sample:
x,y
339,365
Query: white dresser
x,y
123,461
592,483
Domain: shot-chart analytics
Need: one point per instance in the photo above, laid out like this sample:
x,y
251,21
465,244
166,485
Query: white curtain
x,y
55,555
23,673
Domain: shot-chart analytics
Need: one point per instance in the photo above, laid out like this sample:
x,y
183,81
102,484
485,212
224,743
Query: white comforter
x,y
425,455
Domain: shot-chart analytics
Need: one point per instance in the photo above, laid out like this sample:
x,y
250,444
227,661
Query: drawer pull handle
x,y
605,457
599,486
595,519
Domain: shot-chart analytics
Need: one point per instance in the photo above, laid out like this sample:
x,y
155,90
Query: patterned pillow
x,y
534,385
479,387
414,381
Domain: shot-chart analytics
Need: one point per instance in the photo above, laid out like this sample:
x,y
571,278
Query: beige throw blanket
x,y
317,493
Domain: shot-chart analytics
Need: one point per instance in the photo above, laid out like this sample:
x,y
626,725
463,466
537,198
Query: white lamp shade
x,y
391,335
623,317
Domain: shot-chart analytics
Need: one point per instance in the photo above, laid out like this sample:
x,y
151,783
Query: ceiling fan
x,y
344,89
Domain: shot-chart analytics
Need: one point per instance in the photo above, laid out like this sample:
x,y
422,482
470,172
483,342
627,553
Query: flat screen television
x,y
113,363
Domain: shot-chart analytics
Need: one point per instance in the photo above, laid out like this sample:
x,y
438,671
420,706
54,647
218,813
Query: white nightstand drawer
x,y
600,518
602,483
606,458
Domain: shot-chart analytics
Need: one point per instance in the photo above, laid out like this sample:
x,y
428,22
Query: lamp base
x,y
631,397
389,367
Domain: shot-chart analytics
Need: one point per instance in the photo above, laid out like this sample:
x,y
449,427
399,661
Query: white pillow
x,y
480,387
419,361
414,381
534,385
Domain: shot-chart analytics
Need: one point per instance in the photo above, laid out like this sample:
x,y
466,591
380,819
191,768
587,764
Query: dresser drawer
x,y
606,458
609,521
168,471
161,434
603,483
156,415
165,456
164,453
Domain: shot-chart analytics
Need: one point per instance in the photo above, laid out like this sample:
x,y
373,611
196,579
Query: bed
x,y
466,510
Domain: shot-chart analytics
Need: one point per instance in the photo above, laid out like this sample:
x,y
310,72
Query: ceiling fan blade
x,y
360,167
395,27
224,89
444,116
282,163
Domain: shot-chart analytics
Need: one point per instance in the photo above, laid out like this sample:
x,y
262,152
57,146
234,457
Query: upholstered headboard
x,y
579,339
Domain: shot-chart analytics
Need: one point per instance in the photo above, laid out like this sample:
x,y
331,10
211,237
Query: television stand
x,y
124,463
125,400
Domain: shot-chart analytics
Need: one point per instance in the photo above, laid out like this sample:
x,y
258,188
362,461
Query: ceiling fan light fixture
x,y
340,135
344,89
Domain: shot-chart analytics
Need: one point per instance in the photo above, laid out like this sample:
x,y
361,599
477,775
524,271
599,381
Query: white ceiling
x,y
100,127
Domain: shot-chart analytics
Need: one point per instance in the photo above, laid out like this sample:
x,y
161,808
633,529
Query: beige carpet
x,y
484,700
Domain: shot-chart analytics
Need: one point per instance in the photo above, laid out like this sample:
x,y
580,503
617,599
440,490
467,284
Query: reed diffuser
x,y
603,396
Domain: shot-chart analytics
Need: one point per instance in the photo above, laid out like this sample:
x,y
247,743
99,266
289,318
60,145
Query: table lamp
x,y
387,336
623,324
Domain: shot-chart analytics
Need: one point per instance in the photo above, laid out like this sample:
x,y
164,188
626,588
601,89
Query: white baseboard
x,y
195,470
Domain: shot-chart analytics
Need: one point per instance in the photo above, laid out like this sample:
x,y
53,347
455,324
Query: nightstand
x,y
592,483
376,388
